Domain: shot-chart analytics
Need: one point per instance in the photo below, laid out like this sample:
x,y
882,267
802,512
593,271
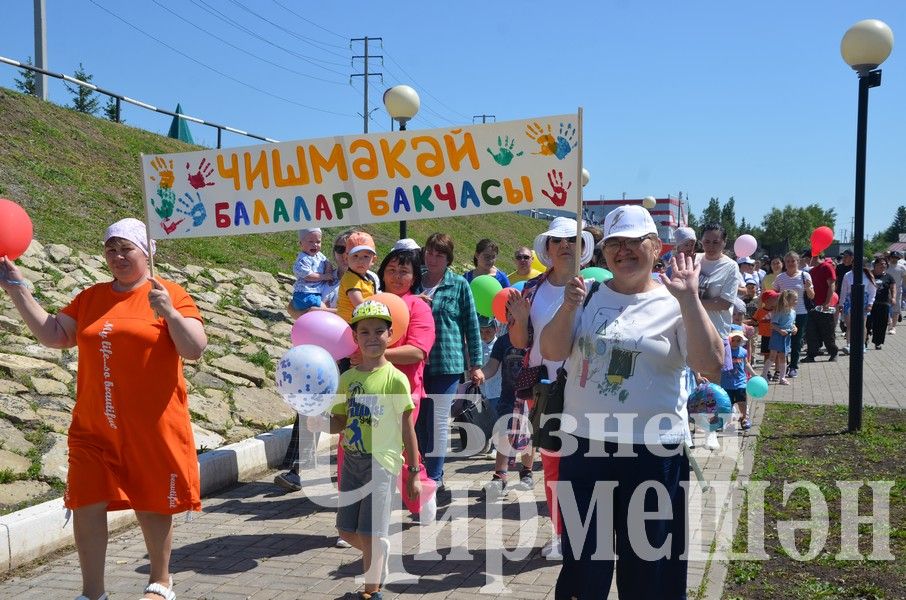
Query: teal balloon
x,y
710,399
596,273
757,387
484,288
519,285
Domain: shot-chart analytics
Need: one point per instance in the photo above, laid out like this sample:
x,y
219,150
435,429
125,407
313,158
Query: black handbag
x,y
809,302
473,408
548,403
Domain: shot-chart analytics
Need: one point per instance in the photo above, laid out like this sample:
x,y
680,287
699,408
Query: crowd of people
x,y
635,344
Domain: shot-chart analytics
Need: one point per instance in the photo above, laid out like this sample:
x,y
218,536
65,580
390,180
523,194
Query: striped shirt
x,y
796,282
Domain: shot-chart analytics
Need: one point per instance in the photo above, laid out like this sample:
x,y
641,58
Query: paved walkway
x,y
255,542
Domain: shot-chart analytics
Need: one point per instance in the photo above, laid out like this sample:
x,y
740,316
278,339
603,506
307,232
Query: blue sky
x,y
708,98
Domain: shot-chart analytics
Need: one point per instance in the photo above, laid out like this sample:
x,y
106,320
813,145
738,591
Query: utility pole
x,y
484,118
41,48
365,74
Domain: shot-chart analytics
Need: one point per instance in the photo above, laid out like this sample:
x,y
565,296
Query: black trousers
x,y
877,322
303,444
819,329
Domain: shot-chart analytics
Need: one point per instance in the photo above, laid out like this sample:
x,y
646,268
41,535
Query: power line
x,y
210,68
311,60
287,9
302,38
424,88
425,106
365,74
243,50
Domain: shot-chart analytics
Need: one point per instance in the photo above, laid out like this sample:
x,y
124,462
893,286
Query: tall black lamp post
x,y
402,103
865,46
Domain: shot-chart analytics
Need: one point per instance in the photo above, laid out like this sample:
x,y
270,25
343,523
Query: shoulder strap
x,y
592,290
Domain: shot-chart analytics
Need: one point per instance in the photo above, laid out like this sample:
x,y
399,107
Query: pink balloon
x,y
745,245
324,329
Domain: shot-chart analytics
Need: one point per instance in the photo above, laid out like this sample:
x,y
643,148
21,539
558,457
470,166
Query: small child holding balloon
x,y
734,380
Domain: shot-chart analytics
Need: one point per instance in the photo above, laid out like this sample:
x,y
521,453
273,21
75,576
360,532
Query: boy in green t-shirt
x,y
375,425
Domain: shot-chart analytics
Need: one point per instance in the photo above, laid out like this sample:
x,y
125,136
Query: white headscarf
x,y
132,230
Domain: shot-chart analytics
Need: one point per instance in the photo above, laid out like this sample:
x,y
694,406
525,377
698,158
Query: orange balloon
x,y
499,304
399,312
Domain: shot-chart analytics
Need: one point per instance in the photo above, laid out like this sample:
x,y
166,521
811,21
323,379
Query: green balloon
x,y
484,288
596,273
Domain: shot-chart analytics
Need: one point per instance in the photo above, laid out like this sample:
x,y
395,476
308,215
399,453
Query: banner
x,y
359,179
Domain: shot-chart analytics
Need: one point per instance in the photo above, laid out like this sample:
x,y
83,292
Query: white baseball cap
x,y
630,221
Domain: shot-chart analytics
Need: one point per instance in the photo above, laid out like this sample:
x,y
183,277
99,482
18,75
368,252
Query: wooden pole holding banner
x,y
148,225
578,250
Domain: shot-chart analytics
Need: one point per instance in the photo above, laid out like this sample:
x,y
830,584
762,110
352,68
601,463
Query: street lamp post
x,y
864,47
402,103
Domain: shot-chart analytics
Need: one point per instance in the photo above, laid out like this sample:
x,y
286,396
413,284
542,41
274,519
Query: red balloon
x,y
499,304
821,238
834,299
15,229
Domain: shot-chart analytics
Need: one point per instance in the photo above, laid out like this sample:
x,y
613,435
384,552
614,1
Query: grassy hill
x,y
75,174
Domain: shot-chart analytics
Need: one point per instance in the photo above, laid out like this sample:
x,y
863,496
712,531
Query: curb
x,y
37,531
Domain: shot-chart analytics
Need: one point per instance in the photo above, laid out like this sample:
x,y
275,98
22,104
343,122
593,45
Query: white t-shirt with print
x,y
719,279
629,358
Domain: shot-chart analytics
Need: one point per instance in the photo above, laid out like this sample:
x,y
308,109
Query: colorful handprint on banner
x,y
566,141
504,155
198,180
547,145
558,193
192,208
164,172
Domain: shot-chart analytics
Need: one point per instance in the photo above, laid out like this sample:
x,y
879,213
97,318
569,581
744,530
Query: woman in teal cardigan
x,y
457,349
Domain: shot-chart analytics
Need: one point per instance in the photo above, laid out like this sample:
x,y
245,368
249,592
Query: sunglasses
x,y
560,240
523,257
339,249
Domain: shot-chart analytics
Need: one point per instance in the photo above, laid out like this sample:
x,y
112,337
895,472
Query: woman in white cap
x,y
541,296
626,351
130,442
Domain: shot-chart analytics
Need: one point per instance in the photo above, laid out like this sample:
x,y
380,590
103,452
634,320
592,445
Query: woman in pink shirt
x,y
400,273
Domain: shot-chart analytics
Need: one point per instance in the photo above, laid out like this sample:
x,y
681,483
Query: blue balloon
x,y
757,387
518,285
710,399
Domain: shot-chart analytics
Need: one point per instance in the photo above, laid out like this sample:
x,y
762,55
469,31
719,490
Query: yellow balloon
x,y
649,202
537,264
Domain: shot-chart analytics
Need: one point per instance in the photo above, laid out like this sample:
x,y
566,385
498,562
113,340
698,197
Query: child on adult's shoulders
x,y
358,282
313,272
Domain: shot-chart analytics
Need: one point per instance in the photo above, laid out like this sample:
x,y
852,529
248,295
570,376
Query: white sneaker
x,y
711,442
428,513
552,550
341,543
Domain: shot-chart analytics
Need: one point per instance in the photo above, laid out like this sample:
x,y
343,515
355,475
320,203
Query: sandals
x,y
101,597
166,593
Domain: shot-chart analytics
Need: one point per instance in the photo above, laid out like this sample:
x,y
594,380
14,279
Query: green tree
x,y
892,233
728,219
711,213
790,228
109,110
25,83
83,99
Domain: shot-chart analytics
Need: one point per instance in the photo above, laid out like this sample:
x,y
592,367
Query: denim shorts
x,y
366,491
303,301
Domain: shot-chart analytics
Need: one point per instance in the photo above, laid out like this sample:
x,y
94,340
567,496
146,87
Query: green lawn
x,y
808,443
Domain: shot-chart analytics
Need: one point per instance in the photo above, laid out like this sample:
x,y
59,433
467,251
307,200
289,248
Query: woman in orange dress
x,y
130,442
